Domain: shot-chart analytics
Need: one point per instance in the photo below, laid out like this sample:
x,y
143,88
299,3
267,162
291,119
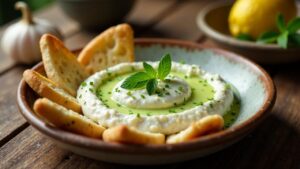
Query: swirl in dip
x,y
186,95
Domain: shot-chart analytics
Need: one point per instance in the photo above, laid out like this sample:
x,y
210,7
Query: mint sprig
x,y
287,33
149,78
151,86
137,80
149,70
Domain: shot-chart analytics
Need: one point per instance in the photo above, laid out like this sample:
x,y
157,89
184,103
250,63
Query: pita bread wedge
x,y
48,89
204,126
61,65
113,46
125,134
66,119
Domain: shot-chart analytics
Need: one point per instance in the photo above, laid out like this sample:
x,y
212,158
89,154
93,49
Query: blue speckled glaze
x,y
248,84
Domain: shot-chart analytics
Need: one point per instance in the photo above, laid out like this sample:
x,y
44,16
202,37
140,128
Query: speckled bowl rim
x,y
204,142
224,38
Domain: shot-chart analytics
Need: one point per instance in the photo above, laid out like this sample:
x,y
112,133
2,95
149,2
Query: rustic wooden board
x,y
147,12
31,150
11,120
55,15
181,23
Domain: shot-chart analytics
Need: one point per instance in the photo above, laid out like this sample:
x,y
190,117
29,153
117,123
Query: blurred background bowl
x,y
96,14
213,22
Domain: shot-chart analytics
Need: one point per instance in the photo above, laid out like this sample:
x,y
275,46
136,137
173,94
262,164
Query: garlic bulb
x,y
21,40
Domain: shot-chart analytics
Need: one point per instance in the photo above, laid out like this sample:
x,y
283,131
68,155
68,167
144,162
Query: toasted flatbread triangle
x,y
115,45
48,89
66,119
61,65
125,134
204,126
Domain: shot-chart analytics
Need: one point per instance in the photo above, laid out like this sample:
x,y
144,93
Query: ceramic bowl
x,y
256,90
213,22
96,14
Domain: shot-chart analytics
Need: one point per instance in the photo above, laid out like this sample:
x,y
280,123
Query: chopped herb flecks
x,y
182,61
180,88
117,90
83,84
172,110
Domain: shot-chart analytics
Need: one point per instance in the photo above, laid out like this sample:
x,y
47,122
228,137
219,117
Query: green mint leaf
x,y
149,70
164,66
151,86
294,25
268,37
295,39
136,80
280,22
244,36
282,39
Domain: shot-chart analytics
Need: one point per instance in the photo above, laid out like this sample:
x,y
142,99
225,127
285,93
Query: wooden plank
x,y
288,98
54,15
181,23
79,39
209,43
30,149
11,119
145,13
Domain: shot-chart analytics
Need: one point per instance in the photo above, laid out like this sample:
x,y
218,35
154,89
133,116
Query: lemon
x,y
254,17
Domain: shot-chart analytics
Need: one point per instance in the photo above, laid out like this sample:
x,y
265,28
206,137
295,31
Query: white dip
x,y
98,111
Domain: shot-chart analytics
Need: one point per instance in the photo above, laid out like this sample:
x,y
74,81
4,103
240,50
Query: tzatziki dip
x,y
185,95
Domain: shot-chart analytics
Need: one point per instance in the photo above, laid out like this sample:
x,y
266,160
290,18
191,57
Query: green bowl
x,y
213,22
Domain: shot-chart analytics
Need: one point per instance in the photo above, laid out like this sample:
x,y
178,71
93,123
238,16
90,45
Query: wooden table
x,y
275,144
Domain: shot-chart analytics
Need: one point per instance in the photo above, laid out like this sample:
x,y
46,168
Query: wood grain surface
x,y
10,119
274,144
